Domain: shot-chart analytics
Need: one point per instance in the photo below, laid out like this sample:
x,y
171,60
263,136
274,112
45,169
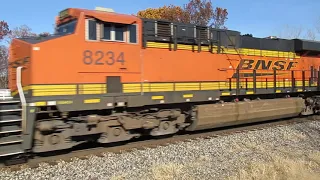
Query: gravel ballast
x,y
278,150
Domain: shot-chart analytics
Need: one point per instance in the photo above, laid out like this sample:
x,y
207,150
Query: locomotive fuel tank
x,y
233,113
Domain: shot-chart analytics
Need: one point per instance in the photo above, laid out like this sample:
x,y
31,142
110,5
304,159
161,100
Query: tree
x,y
297,32
250,35
199,12
9,35
4,29
290,32
220,16
310,35
170,13
44,34
20,32
174,13
3,67
317,25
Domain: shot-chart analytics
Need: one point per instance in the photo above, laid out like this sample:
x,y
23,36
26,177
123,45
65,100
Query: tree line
x,y
199,12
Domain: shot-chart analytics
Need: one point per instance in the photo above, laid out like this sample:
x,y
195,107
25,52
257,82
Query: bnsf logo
x,y
19,62
266,64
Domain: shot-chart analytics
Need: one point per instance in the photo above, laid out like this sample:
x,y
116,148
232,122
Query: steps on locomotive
x,y
10,125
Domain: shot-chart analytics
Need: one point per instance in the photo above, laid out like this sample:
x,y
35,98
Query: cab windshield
x,y
66,28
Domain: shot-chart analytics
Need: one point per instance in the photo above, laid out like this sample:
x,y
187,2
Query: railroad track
x,y
141,144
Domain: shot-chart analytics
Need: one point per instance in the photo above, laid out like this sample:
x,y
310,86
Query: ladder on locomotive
x,y
237,70
11,122
234,47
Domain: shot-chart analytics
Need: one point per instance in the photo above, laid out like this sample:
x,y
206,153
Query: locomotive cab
x,y
88,46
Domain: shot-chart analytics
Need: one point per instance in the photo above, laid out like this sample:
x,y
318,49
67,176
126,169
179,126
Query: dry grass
x,y
315,157
295,136
283,164
121,177
167,171
281,168
279,162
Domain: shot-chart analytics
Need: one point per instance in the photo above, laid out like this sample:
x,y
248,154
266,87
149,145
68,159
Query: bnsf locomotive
x,y
109,77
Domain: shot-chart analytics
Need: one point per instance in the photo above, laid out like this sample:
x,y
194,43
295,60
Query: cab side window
x,y
92,30
119,32
107,31
113,32
132,33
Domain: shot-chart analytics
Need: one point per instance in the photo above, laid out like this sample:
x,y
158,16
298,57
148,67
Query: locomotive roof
x,y
104,16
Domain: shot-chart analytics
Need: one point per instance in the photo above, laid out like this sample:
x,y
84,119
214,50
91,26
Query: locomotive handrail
x,y
22,99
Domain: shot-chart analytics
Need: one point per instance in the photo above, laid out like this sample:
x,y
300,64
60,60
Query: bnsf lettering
x,y
266,65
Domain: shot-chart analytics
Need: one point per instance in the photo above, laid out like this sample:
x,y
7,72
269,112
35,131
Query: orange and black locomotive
x,y
111,77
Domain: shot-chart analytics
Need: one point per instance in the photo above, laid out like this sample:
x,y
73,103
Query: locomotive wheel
x,y
116,134
165,128
53,142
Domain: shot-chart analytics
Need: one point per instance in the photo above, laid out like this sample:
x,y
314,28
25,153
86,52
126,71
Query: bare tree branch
x,y
19,32
4,29
290,32
317,25
310,35
3,67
